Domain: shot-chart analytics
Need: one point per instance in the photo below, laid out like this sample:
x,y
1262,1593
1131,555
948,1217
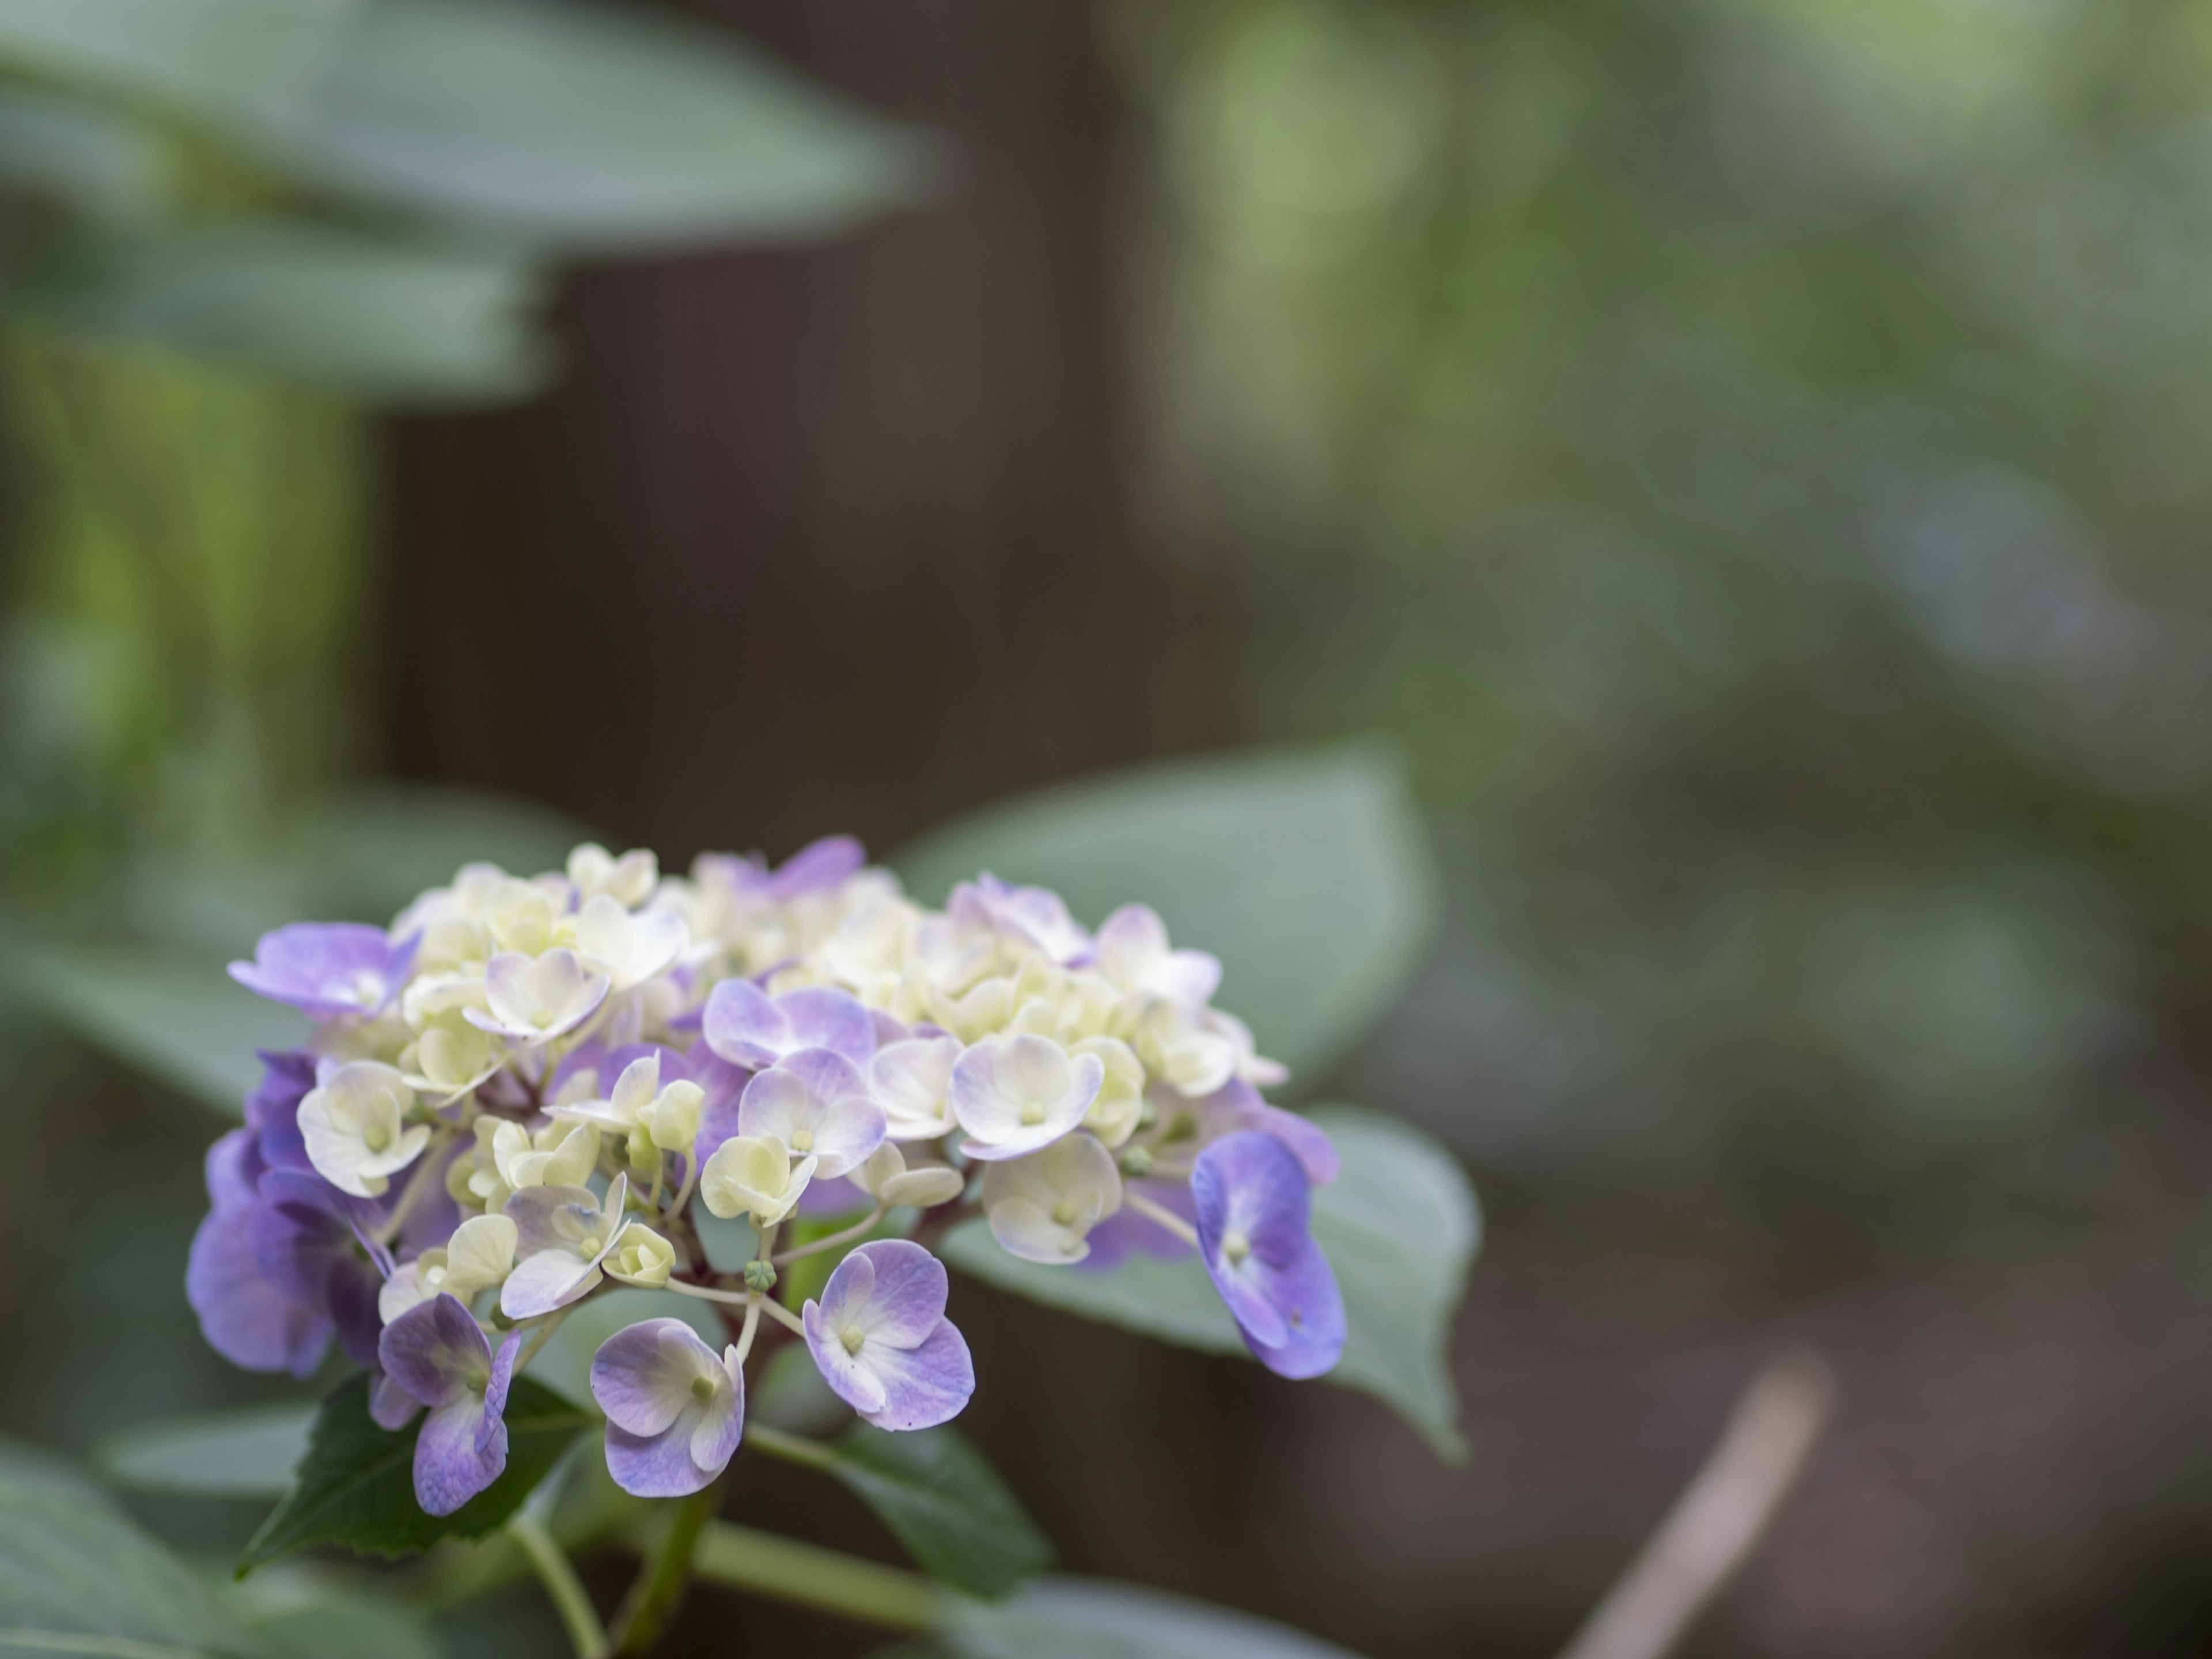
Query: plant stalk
x,y
810,1577
570,1599
653,1598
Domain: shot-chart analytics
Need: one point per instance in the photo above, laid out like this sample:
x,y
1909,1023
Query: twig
x,y
1717,1520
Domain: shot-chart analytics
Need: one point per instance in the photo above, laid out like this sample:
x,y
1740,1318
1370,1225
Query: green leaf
x,y
1094,1619
356,1485
1305,872
939,1498
339,1623
74,1570
359,315
95,159
587,127
1401,1227
246,1453
238,58
184,1023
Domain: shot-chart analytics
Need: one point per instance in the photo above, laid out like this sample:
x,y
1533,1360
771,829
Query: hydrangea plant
x,y
519,1096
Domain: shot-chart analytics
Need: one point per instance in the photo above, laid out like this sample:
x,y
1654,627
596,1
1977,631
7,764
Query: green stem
x,y
858,1230
1162,1216
791,1448
570,1600
659,1590
814,1578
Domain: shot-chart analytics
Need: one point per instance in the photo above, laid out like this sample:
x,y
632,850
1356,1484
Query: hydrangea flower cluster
x,y
513,1099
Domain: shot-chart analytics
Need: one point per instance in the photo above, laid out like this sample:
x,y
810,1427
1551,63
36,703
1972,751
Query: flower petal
x,y
641,1376
922,1386
434,1351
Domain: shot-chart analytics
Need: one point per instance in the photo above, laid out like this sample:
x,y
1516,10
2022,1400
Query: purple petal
x,y
905,1302
848,1379
502,1378
743,1024
391,1407
545,1281
462,1450
245,1318
823,1017
641,1375
922,1386
1305,1291
816,867
272,1110
654,1466
551,1217
233,1168
326,968
1282,1292
723,1084
436,1351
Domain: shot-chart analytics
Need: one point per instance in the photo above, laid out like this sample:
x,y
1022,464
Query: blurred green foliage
x,y
1750,452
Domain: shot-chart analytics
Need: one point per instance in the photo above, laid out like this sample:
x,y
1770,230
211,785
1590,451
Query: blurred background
x,y
1749,455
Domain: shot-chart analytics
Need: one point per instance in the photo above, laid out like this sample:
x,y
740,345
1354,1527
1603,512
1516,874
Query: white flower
x,y
558,1154
754,1175
640,1256
629,949
533,999
1133,952
886,1177
479,1255
910,1080
627,880
656,1119
354,1123
449,1059
1119,1106
1018,1095
1043,1206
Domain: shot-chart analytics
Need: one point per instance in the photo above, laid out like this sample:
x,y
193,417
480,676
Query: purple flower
x,y
565,1234
674,1408
882,1341
724,1084
325,968
314,1243
817,867
248,1319
817,1103
747,1027
437,1353
1251,1197
272,1110
1237,1105
1033,917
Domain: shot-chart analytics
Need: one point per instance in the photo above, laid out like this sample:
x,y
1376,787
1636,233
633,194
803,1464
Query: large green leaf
x,y
246,1453
238,58
355,1486
97,161
1401,1227
75,1573
343,1625
1094,1619
593,127
181,1021
1306,873
939,1498
360,314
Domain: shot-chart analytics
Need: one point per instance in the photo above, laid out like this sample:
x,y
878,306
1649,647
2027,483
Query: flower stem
x,y
658,1590
814,1578
751,1328
784,1316
570,1600
1160,1215
709,1293
858,1229
538,1339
